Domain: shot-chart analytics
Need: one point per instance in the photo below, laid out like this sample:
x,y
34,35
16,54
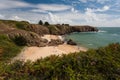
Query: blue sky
x,y
105,13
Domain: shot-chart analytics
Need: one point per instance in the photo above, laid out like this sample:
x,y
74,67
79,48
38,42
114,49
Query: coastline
x,y
34,53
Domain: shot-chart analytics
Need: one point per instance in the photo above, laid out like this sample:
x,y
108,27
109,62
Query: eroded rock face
x,y
32,39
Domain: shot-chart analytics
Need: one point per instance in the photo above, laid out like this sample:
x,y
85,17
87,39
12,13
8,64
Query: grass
x,y
15,24
8,49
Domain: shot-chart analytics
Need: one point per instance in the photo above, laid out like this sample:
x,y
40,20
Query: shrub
x,y
40,22
46,24
20,41
99,64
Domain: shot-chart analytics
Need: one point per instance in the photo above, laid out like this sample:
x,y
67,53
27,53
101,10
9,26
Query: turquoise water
x,y
105,36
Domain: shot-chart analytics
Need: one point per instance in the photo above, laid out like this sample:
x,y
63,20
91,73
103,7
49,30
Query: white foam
x,y
90,44
115,34
102,31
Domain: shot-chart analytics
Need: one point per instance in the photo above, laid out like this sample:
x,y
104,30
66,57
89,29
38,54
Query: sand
x,y
49,37
34,53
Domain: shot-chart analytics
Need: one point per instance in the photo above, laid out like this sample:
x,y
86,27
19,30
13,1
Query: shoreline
x,y
34,53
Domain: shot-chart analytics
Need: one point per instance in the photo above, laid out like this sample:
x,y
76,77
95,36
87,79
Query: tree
x,y
40,22
46,24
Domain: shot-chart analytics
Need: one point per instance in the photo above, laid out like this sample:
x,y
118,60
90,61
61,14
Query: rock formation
x,y
30,34
39,29
71,42
32,39
66,29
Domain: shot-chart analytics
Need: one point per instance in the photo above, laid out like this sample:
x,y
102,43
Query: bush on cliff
x,y
20,41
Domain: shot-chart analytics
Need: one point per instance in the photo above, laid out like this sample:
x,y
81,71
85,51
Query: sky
x,y
99,13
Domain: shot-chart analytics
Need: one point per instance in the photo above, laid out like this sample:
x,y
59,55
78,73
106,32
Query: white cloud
x,y
102,1
92,16
17,18
84,1
98,1
105,8
73,10
63,14
39,10
79,18
1,16
10,4
53,7
57,19
7,4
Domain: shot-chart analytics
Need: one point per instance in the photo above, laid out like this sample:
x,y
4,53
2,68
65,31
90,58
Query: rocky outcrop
x,y
57,29
30,34
55,42
39,29
66,29
83,28
71,42
31,39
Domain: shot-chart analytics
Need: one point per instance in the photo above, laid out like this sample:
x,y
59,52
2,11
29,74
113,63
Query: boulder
x,y
71,42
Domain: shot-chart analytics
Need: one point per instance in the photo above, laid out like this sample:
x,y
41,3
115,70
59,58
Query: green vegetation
x,y
99,64
8,49
20,41
46,24
15,24
53,29
40,22
22,25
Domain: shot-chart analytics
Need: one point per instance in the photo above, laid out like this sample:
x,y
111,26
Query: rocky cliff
x,y
65,29
30,34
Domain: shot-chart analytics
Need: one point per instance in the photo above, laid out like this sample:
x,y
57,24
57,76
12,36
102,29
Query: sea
x,y
105,36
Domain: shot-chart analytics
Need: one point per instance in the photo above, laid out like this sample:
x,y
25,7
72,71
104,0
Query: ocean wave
x,y
101,31
90,44
115,34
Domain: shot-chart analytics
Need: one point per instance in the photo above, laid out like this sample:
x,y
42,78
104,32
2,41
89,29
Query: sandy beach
x,y
49,37
34,53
